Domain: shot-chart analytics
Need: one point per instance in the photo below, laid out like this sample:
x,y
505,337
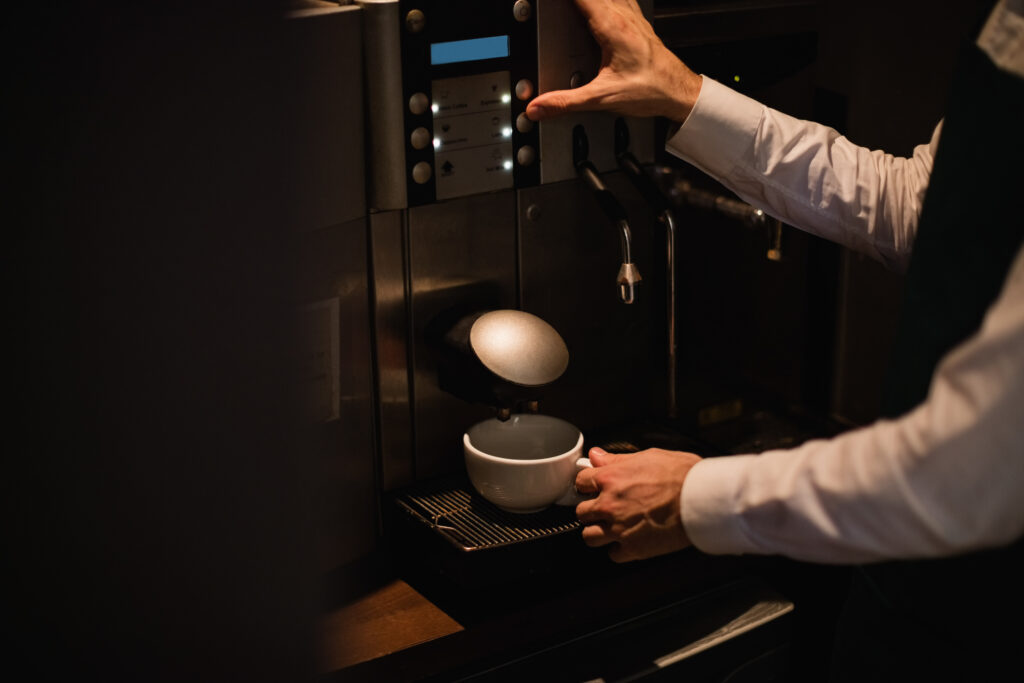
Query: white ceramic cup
x,y
525,463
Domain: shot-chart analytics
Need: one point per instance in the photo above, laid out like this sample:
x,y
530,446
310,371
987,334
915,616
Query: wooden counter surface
x,y
389,619
396,632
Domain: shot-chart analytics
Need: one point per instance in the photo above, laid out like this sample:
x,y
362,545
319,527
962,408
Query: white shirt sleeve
x,y
807,175
946,478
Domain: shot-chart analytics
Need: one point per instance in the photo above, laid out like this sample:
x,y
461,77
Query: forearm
x,y
806,174
943,479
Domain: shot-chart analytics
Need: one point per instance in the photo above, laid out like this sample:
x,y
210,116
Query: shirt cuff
x,y
719,130
708,504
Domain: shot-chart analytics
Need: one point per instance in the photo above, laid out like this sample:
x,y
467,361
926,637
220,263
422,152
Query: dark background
x,y
155,515
155,507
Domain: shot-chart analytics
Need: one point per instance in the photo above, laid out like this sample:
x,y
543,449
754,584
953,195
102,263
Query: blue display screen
x,y
469,50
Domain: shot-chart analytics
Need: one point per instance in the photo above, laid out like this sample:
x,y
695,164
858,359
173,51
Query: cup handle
x,y
572,496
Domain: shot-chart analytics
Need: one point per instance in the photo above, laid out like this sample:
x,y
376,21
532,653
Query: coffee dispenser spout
x,y
656,199
629,275
628,278
503,358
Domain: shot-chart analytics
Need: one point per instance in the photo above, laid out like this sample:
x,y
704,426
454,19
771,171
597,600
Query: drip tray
x,y
470,523
458,514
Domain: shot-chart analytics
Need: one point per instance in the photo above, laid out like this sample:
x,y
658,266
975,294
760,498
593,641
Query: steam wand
x,y
657,200
629,275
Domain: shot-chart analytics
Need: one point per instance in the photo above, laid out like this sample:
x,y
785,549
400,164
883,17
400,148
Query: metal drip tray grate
x,y
471,523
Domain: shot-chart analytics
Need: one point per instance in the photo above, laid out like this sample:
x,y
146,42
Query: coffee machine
x,y
474,207
473,211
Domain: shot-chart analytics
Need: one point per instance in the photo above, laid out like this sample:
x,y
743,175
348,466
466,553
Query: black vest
x,y
940,620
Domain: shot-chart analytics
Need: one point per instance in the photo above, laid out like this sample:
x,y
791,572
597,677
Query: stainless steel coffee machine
x,y
472,210
474,207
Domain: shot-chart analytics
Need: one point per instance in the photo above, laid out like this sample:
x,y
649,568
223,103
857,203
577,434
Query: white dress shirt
x,y
947,477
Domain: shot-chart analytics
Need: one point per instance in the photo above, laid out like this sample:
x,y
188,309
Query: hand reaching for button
x,y
639,76
637,508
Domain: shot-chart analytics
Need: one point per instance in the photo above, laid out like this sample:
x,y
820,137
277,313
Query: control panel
x,y
448,84
469,67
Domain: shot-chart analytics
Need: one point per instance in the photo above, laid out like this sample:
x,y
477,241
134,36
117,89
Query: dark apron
x,y
940,620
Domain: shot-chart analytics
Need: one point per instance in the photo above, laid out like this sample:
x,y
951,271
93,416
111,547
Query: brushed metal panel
x,y
326,153
462,253
384,102
391,320
570,257
565,47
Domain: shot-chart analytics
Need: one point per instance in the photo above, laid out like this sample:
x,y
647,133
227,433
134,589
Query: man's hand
x,y
637,507
639,76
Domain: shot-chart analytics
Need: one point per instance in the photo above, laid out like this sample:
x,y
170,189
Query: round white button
x,y
415,21
523,123
524,89
522,10
421,172
526,155
419,103
420,138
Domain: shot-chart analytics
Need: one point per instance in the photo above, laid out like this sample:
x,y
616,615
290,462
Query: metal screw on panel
x,y
533,212
419,103
526,155
415,21
420,138
522,10
523,123
524,89
421,172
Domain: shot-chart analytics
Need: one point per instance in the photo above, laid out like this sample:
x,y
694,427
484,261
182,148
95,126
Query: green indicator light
x,y
736,78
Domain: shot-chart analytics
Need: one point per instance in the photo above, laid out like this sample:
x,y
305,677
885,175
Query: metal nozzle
x,y
660,204
629,276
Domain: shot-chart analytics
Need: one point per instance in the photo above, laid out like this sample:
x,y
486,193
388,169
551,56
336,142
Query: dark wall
x,y
155,507
891,63
816,327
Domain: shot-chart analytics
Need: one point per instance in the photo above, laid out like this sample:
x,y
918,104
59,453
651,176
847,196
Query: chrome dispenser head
x,y
501,358
519,347
629,276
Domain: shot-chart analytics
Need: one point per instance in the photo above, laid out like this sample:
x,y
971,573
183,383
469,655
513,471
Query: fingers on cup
x,y
587,512
597,535
618,553
586,481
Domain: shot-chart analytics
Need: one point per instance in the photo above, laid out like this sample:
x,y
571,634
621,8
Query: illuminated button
x,y
522,10
523,123
415,21
421,172
524,89
577,79
526,155
420,138
419,103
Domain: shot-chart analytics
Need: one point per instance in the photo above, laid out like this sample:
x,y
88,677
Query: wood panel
x,y
390,619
